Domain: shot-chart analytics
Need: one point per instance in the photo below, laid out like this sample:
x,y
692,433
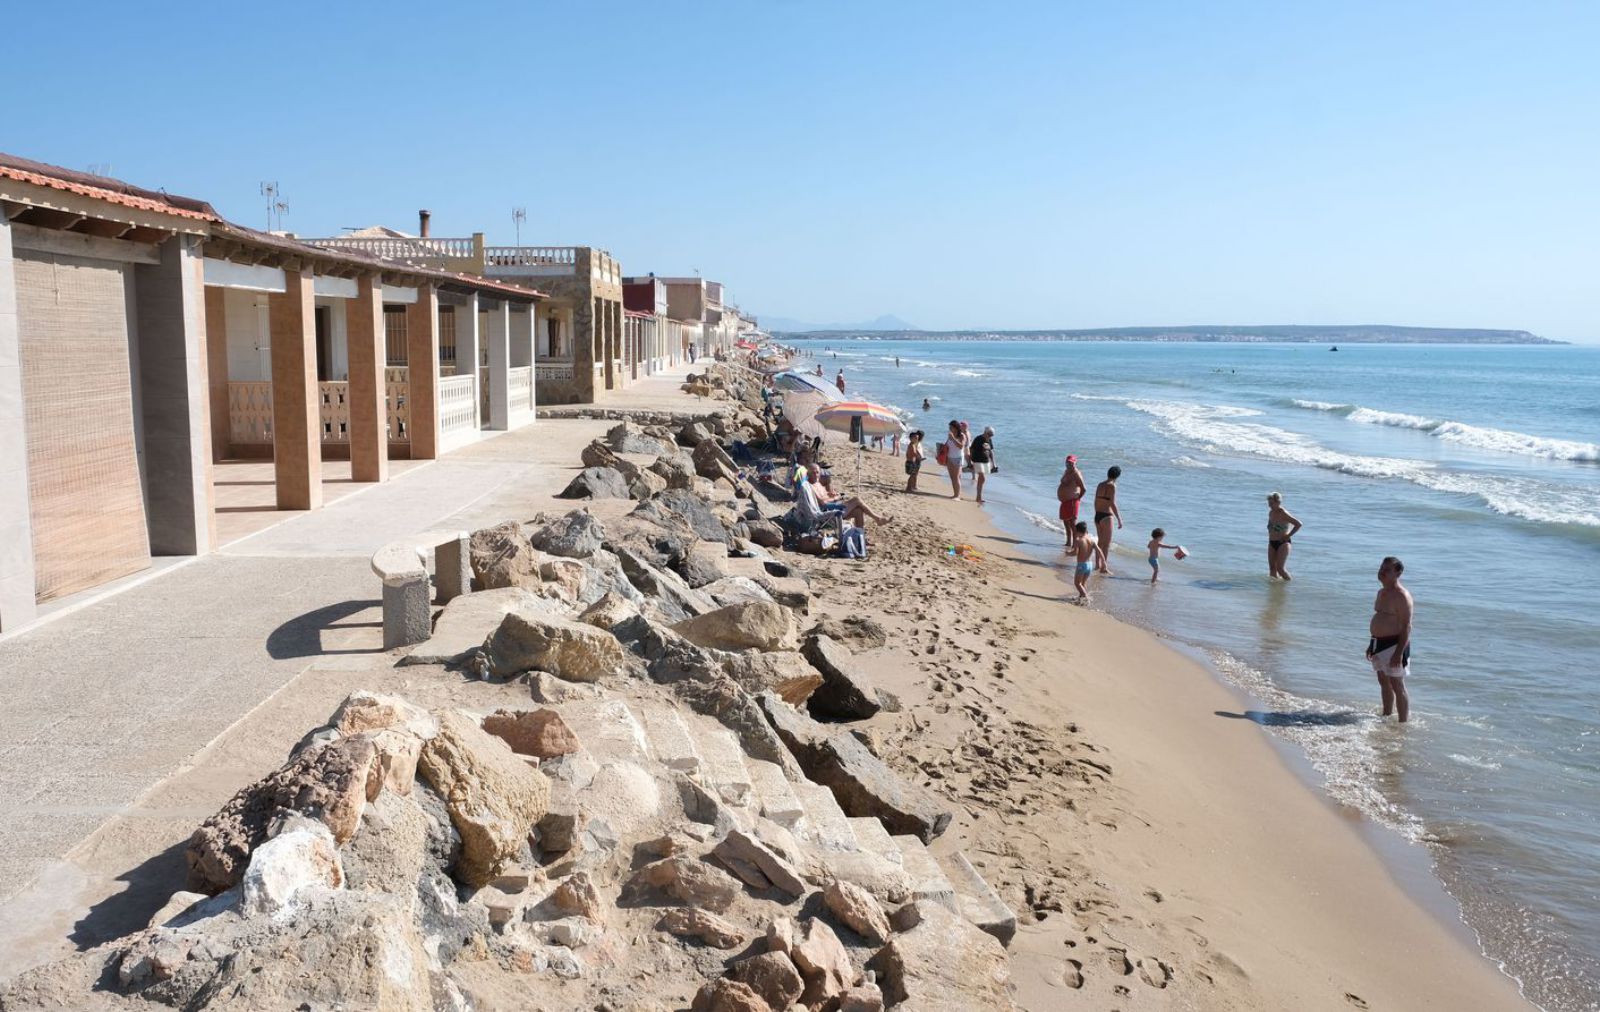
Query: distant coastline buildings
x,y
148,346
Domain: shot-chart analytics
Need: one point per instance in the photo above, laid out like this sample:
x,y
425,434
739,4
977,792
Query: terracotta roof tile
x,y
112,191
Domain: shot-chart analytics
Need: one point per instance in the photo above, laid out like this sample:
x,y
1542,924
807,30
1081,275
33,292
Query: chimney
x,y
422,222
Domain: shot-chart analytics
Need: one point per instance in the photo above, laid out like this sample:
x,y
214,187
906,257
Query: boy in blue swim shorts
x,y
1155,546
1088,553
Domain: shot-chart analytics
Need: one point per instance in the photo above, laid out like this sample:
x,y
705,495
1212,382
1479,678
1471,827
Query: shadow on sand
x,y
301,636
150,885
1295,718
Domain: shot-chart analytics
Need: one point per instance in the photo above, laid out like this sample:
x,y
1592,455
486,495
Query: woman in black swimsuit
x,y
1281,529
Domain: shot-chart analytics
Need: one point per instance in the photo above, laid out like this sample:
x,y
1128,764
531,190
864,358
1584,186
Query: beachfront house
x,y
158,362
656,337
709,325
579,329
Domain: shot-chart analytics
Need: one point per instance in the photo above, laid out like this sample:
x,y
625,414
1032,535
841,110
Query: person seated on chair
x,y
850,508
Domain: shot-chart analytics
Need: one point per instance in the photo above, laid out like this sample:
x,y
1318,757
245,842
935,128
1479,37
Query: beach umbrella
x,y
874,419
790,381
860,419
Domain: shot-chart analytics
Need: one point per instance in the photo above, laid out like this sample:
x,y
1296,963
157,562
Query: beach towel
x,y
854,543
941,454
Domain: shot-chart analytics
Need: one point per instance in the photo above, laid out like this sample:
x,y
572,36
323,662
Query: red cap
x,y
1072,458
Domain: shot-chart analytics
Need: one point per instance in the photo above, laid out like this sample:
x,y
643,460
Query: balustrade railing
x,y
520,380
458,405
560,372
399,248
334,409
531,256
249,412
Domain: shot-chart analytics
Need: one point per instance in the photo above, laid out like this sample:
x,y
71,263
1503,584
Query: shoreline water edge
x,y
1313,736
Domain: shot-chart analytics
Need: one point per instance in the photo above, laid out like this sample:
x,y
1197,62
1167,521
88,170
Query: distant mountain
x,y
1289,334
777,323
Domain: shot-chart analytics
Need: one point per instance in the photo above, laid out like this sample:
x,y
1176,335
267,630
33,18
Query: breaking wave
x,y
1498,440
1223,428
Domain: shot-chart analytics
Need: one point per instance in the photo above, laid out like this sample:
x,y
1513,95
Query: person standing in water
x,y
983,461
1281,529
838,381
1389,649
1105,510
1070,492
897,361
927,405
1089,554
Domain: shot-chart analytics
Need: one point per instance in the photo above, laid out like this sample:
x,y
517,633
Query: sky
x,y
959,165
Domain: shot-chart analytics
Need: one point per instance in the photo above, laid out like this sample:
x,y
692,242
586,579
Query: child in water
x,y
1156,545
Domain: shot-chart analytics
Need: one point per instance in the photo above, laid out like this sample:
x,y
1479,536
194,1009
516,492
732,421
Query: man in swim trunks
x,y
1088,552
1105,510
1389,649
1070,492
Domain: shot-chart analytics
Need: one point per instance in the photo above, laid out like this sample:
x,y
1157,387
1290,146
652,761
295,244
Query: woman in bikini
x,y
955,448
1281,529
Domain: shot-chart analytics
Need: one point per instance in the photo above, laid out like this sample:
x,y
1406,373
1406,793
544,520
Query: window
x,y
447,338
394,334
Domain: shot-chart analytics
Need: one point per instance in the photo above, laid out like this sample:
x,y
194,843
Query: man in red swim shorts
x,y
1070,492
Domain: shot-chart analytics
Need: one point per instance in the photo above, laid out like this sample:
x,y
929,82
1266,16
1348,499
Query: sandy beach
x,y
1158,853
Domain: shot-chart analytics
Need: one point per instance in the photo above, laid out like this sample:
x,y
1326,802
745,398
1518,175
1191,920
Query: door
x,y
85,497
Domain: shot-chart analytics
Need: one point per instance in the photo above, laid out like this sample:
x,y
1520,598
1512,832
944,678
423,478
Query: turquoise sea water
x,y
1478,466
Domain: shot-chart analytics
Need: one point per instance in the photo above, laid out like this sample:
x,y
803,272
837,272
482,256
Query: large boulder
x,y
942,963
494,798
725,994
712,461
785,672
332,782
758,624
626,437
707,927
596,483
821,958
695,433
773,976
861,782
677,472
539,733
688,880
673,599
302,856
466,621
680,510
705,562
574,651
858,909
598,454
846,693
502,556
645,484
582,582
574,535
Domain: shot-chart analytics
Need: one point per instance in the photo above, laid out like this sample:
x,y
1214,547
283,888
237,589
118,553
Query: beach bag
x,y
854,543
942,454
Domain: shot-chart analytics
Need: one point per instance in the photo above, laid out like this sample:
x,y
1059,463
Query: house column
x,y
523,328
296,421
369,357
499,338
17,587
174,399
585,334
422,352
467,351
602,313
217,372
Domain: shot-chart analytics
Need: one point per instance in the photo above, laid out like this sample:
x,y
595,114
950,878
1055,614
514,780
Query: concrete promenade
x,y
110,707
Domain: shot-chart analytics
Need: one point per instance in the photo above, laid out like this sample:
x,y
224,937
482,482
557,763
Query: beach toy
x,y
1181,553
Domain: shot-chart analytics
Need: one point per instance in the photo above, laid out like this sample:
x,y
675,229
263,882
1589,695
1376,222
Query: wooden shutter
x,y
83,471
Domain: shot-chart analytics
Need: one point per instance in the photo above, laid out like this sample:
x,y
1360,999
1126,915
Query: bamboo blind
x,y
83,473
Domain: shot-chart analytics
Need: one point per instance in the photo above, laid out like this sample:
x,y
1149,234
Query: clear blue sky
x,y
957,164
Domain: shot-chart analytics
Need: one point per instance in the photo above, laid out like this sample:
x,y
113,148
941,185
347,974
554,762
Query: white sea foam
x,y
1045,522
1480,437
1187,461
968,373
1476,762
1217,428
1346,747
922,383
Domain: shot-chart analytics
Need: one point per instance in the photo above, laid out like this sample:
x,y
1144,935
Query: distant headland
x,y
1299,333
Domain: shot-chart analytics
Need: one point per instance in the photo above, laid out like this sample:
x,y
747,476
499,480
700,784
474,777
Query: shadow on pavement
x,y
302,635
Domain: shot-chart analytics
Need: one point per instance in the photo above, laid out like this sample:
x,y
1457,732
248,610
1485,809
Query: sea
x,y
1478,466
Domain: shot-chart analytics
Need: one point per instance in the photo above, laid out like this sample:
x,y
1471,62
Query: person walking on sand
x,y
1069,491
983,461
1281,529
1389,649
955,453
914,458
838,381
1105,510
1089,553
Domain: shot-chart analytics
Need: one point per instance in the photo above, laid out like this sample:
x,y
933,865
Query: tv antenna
x,y
518,216
274,206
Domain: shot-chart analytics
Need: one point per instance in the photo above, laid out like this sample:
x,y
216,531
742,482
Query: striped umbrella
x,y
876,420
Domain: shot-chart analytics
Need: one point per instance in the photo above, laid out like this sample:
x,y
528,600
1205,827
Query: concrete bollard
x,y
452,562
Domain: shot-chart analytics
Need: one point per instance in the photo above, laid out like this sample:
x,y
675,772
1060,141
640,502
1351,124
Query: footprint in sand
x,y
1117,959
1073,976
1154,972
